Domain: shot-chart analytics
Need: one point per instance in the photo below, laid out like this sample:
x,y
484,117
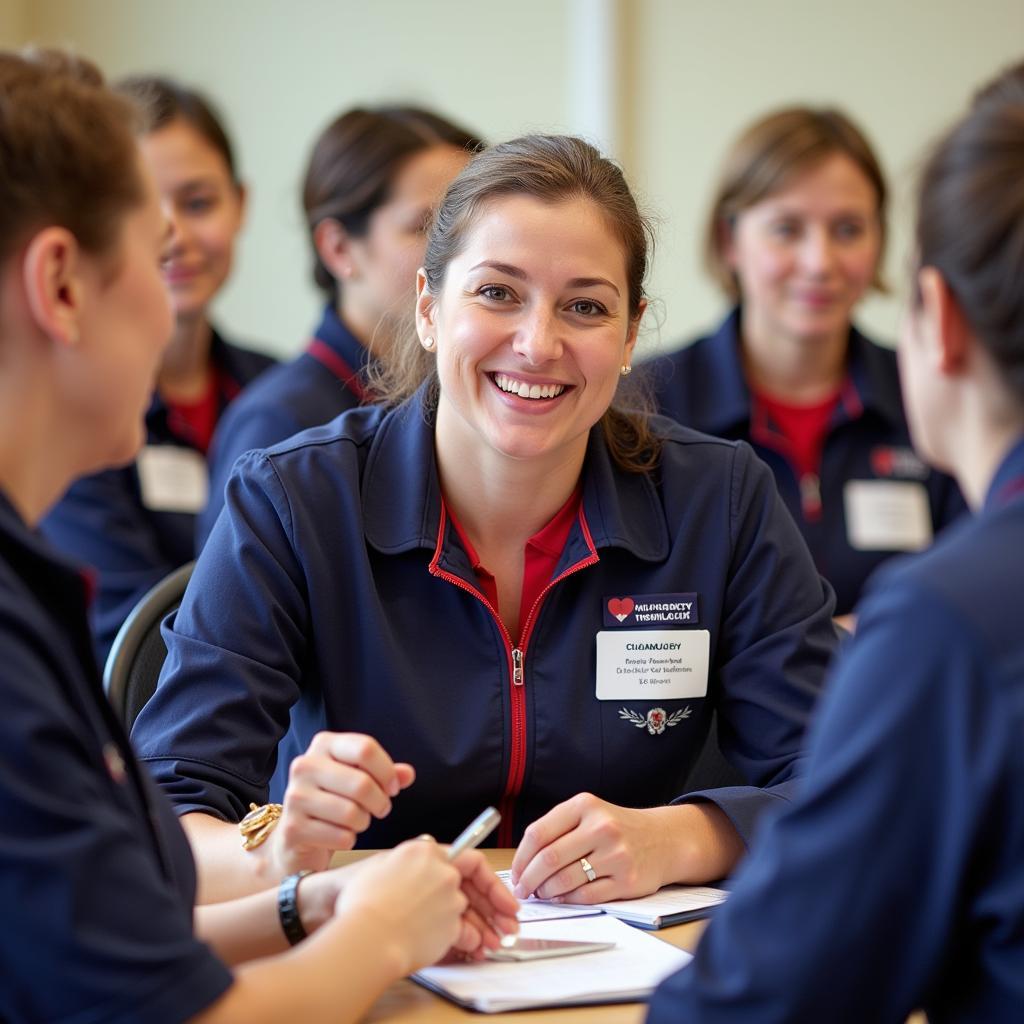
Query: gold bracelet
x,y
258,824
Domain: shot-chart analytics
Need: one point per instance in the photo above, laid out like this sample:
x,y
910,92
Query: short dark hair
x,y
355,160
970,220
68,154
163,100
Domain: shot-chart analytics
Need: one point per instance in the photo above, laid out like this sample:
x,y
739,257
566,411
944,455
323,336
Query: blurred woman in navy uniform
x,y
96,876
373,181
526,594
135,524
895,878
795,238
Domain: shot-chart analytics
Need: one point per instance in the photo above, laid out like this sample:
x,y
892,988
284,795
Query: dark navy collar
x,y
402,493
59,587
333,333
1008,483
58,584
32,548
727,402
870,369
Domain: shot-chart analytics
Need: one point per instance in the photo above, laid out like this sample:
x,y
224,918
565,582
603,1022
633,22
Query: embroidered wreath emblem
x,y
656,720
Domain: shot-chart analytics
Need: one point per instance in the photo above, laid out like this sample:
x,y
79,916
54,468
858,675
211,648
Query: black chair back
x,y
134,663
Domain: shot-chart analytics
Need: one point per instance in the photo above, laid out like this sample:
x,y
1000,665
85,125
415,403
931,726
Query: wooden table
x,y
406,1002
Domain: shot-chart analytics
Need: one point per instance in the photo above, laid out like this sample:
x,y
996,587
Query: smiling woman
x,y
464,571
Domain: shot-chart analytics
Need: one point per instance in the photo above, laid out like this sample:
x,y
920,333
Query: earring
x,y
428,343
626,371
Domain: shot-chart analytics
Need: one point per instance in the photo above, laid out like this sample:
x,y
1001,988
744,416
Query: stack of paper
x,y
674,904
628,973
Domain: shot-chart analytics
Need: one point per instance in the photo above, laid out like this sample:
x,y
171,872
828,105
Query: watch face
x,y
257,815
258,824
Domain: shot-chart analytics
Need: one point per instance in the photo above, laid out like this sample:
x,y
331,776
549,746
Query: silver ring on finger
x,y
587,869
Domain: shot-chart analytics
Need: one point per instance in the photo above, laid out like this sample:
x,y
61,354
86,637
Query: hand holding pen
x,y
492,908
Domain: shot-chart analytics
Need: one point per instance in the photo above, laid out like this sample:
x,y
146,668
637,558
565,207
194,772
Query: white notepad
x,y
627,973
673,904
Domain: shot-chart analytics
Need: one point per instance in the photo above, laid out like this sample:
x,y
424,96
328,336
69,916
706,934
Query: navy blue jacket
x,y
103,522
96,876
703,386
334,592
895,878
322,382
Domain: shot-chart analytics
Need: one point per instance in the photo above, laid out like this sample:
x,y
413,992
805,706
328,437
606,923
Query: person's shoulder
x,y
290,396
678,440
967,573
701,383
26,632
350,430
278,388
880,364
692,462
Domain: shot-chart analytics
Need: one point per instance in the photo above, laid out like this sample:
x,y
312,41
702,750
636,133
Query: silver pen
x,y
475,832
472,836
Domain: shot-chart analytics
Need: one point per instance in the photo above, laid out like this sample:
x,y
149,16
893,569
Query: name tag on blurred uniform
x,y
652,664
887,515
172,479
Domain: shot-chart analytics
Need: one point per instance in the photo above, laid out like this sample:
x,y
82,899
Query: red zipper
x,y
516,657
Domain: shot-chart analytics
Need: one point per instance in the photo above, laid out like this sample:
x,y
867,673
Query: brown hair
x,y
766,157
551,168
970,220
67,151
163,100
355,160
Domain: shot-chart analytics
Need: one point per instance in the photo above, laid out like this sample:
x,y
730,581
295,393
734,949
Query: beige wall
x,y
13,18
281,70
692,72
902,68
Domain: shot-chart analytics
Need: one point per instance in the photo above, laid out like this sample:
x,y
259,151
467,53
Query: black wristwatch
x,y
288,907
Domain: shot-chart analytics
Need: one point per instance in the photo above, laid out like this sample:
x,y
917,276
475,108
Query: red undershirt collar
x,y
540,556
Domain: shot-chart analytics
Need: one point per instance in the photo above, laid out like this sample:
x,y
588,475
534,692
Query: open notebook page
x,y
627,973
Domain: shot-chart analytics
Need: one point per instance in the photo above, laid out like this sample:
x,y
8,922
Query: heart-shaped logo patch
x,y
621,607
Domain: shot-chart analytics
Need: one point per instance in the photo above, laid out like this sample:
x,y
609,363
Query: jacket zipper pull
x,y
517,667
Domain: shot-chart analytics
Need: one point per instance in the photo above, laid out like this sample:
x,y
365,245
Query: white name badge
x,y
887,515
172,479
652,664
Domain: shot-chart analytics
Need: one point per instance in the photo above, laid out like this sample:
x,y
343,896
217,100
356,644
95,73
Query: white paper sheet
x,y
627,973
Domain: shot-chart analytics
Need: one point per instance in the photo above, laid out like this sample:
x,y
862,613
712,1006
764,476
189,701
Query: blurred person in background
x,y
373,180
135,524
795,239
